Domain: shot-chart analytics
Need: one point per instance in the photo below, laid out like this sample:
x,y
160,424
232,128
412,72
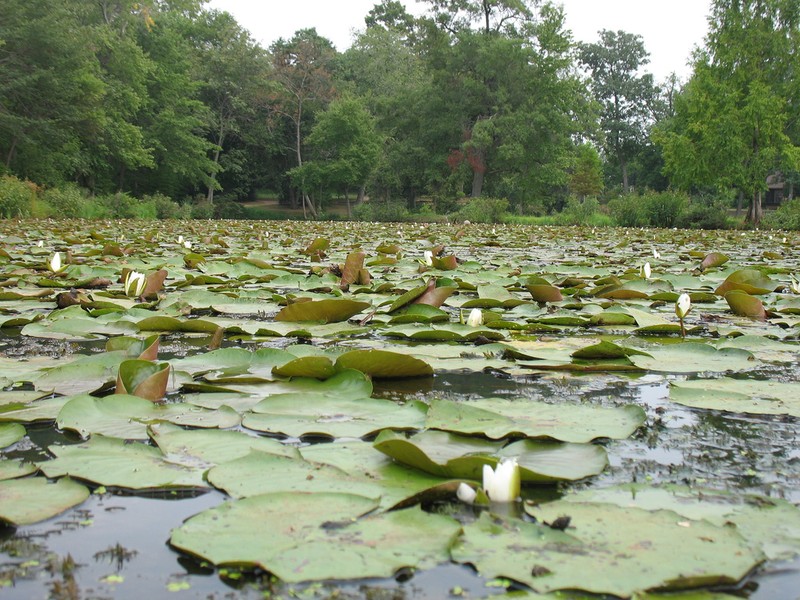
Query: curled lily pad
x,y
751,281
143,378
459,457
323,311
384,364
693,357
714,259
745,305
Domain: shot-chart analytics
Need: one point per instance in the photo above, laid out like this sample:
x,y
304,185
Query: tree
x,y
302,71
626,98
233,72
736,121
346,147
587,177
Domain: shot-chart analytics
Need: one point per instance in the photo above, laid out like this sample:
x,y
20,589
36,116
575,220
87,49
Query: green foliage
x,y
587,176
664,209
228,209
67,200
707,213
391,211
483,210
17,197
582,212
628,211
786,216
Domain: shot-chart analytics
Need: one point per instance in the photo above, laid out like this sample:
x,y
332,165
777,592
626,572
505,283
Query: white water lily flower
x,y
55,263
465,493
475,318
503,483
134,284
180,240
656,254
683,305
427,256
645,271
187,244
40,244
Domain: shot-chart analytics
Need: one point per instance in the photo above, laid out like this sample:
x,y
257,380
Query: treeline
x,y
476,99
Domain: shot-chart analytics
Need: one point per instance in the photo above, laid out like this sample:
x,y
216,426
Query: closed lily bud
x,y
475,318
503,483
55,263
465,493
134,284
427,256
683,305
645,271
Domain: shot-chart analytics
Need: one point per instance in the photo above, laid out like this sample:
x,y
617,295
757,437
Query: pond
x,y
288,409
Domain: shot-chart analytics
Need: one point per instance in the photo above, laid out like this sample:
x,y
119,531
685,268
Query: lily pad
x,y
118,463
693,357
606,550
33,499
322,311
498,418
384,364
10,433
316,536
738,396
449,455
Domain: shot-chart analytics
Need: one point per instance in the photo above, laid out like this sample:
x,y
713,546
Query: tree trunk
x,y
10,154
739,203
624,166
213,183
362,194
477,183
755,212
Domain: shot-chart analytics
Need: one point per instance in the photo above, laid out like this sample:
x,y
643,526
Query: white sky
x,y
671,29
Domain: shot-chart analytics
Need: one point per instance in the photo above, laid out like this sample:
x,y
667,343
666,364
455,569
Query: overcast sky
x,y
670,29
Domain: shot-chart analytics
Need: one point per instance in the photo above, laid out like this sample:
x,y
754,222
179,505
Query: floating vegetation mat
x,y
290,409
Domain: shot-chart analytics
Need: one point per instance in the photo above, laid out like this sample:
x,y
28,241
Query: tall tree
x,y
233,72
626,96
737,119
346,149
302,70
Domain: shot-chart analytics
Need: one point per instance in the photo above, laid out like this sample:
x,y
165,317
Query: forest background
x,y
481,110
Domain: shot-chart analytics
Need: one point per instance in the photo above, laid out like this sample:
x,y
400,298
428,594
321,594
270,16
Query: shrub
x,y
483,210
391,211
628,211
166,207
67,200
706,212
786,216
578,212
203,210
227,209
17,197
665,209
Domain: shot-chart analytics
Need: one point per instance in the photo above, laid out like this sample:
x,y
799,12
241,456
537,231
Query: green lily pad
x,y
498,418
693,357
745,305
33,499
323,311
448,455
384,364
127,417
738,396
10,433
14,468
770,525
299,415
606,550
316,536
751,281
113,462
